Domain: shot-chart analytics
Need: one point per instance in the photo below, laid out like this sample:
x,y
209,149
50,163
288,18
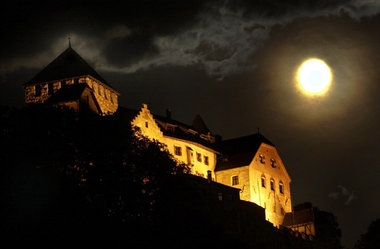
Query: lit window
x,y
281,187
235,180
262,158
206,160
271,184
178,150
273,163
263,181
199,157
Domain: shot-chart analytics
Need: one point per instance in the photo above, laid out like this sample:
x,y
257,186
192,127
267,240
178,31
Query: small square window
x,y
206,160
235,180
178,150
199,157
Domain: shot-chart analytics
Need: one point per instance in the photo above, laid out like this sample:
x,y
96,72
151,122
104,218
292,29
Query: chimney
x,y
209,176
168,113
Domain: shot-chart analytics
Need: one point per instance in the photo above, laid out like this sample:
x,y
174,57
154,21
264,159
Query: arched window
x,y
272,184
281,187
263,181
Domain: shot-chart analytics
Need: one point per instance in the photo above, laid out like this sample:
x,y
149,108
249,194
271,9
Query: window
x,y
50,88
99,91
37,90
206,160
262,158
105,94
281,187
178,150
199,157
263,181
273,163
220,196
146,124
271,184
235,180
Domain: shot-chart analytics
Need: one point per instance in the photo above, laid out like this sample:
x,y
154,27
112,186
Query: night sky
x,y
234,63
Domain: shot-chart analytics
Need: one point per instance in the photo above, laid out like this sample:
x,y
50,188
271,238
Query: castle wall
x,y
106,97
182,150
267,166
225,177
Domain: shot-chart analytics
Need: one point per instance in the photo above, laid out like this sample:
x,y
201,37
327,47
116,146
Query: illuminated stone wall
x,y
266,165
106,97
188,150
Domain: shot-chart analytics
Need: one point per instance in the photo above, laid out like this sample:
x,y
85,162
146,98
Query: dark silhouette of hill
x,y
83,181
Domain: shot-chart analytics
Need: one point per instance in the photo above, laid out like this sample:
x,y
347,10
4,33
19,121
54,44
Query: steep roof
x,y
239,151
199,125
68,64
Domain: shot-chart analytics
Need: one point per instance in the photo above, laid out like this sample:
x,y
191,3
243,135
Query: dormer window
x,y
262,158
273,163
170,128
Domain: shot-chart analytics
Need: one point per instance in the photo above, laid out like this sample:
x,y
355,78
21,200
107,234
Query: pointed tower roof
x,y
68,64
199,125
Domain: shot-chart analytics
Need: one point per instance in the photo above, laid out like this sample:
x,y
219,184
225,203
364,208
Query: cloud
x,y
221,37
344,193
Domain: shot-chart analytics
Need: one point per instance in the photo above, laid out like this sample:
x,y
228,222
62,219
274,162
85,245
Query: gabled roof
x,y
68,64
239,151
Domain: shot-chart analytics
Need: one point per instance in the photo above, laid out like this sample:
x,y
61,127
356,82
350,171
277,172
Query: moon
x,y
314,77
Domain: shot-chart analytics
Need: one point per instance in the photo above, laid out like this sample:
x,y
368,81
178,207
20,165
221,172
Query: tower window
x,y
271,184
199,157
37,90
50,88
235,180
178,150
206,160
146,124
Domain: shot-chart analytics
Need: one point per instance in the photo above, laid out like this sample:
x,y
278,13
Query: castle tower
x,y
71,82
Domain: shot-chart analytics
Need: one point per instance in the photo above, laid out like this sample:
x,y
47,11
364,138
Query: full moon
x,y
314,77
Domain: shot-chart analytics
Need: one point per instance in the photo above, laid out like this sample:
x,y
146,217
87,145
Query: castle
x,y
250,163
